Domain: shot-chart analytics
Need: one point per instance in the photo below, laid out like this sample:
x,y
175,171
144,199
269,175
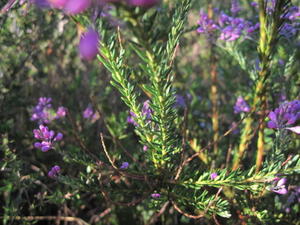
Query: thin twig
x,y
154,217
176,207
60,218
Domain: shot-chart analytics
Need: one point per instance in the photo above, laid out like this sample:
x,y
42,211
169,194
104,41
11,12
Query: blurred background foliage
x,y
39,57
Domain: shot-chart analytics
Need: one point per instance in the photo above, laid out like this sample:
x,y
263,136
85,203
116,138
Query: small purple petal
x,y
155,195
294,129
124,165
58,137
213,176
281,191
272,125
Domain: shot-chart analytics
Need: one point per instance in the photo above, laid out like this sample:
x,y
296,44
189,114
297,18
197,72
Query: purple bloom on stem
x,y
155,195
213,176
124,165
53,173
47,138
89,44
145,148
241,105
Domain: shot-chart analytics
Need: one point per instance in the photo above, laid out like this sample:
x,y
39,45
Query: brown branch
x,y
176,207
60,218
154,217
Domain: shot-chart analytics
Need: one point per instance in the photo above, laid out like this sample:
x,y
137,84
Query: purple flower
x,y
76,6
124,165
155,195
287,114
53,173
213,176
43,112
279,186
130,119
146,111
88,113
89,44
206,25
61,112
145,148
241,105
47,138
180,101
143,3
232,28
235,6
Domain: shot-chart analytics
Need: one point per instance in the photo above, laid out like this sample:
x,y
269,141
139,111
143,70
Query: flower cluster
x,y
241,105
285,116
43,112
229,28
47,138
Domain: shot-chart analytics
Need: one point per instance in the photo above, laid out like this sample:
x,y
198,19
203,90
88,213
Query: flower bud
x,y
88,45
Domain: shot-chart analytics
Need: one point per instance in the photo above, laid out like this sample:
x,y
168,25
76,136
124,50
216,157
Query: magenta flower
x,y
143,3
145,148
53,173
155,195
76,6
89,44
213,176
61,112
